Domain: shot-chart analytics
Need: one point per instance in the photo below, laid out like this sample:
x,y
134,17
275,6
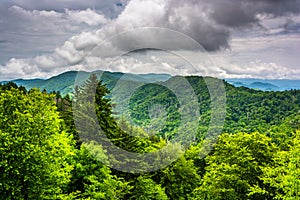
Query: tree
x,y
179,179
235,166
284,176
34,151
92,96
91,178
145,188
66,113
10,85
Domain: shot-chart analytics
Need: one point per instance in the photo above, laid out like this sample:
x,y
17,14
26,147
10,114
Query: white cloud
x,y
88,16
73,17
69,53
225,68
141,13
18,68
259,69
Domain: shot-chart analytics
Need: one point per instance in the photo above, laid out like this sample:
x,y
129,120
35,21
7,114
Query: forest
x,y
43,155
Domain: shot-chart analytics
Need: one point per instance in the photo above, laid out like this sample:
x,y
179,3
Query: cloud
x,y
47,20
235,13
29,32
17,68
259,69
110,8
87,16
210,23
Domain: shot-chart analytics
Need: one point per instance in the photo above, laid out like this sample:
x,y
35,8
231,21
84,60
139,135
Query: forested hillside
x,y
248,110
43,156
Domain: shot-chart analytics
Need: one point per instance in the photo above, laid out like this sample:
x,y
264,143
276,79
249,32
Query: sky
x,y
238,38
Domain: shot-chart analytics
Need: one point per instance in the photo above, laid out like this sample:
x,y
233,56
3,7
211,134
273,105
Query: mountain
x,y
150,105
64,83
265,84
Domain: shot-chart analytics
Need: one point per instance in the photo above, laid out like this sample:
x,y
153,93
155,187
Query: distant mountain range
x,y
266,84
64,83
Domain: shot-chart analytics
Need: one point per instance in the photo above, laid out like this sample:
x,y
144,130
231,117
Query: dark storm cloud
x,y
210,22
276,7
235,13
291,26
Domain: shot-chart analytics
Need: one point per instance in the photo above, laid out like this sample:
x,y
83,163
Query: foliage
x,y
34,151
145,188
44,156
248,110
180,178
235,166
285,173
93,179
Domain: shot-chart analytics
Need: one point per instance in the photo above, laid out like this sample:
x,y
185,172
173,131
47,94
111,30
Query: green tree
x,y
91,178
179,179
145,188
34,151
285,175
10,85
66,113
235,166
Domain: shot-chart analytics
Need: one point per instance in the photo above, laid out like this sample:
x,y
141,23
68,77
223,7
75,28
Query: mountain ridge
x,y
64,82
265,84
